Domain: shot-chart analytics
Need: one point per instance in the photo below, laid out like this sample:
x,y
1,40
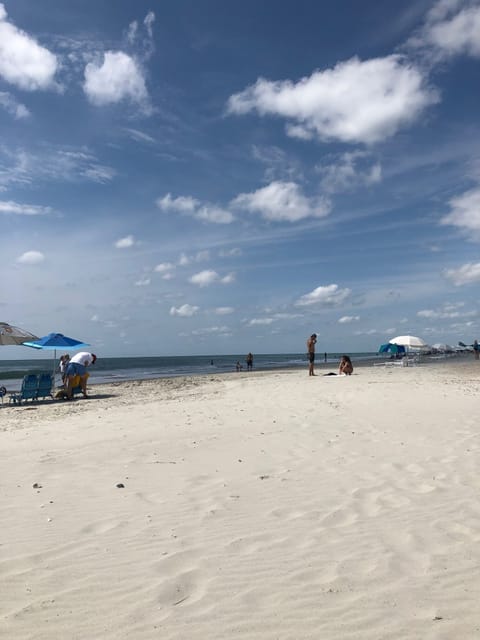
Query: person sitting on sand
x,y
238,366
78,367
346,366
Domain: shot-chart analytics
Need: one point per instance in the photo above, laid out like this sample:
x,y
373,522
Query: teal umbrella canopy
x,y
55,341
391,348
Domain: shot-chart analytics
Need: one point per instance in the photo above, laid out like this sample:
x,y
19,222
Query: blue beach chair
x,y
28,390
45,385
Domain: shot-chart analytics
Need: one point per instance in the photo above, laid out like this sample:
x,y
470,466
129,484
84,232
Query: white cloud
x,y
348,319
140,136
328,296
16,109
148,22
207,277
125,243
442,8
224,311
181,204
191,206
134,36
163,267
346,174
204,278
282,201
228,279
118,77
31,257
185,311
465,211
372,332
210,213
8,206
452,34
446,312
99,173
23,62
454,305
356,101
260,321
201,256
209,330
142,282
230,253
287,316
52,164
183,260
466,274
428,313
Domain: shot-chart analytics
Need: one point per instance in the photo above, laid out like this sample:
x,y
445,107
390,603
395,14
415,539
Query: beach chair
x,y
45,385
28,390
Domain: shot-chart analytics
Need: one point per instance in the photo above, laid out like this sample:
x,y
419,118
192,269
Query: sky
x,y
181,177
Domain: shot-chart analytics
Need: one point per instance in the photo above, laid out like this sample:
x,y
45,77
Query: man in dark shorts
x,y
77,370
311,353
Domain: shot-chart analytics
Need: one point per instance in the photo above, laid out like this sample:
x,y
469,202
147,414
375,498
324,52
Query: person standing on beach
x,y
249,361
311,353
62,365
476,349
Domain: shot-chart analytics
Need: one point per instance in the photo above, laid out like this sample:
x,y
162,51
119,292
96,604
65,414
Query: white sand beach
x,y
252,505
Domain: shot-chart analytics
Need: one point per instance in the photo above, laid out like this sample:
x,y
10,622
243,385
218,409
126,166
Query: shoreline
x,y
14,384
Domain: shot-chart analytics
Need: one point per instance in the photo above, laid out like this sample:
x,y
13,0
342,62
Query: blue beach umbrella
x,y
54,341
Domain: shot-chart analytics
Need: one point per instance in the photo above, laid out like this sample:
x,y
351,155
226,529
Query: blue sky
x,y
184,177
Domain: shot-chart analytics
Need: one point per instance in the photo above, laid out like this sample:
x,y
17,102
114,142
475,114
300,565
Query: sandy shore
x,y
265,505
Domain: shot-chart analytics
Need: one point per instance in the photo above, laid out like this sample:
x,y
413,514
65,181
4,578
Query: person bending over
x,y
78,367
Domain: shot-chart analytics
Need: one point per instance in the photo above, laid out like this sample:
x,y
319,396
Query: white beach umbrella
x,y
440,346
412,342
14,335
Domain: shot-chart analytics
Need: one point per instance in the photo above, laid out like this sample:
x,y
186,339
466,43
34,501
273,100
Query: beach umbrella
x,y
14,335
412,342
392,348
440,346
54,341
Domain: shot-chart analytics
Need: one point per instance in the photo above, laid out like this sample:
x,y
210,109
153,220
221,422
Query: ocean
x,y
118,369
